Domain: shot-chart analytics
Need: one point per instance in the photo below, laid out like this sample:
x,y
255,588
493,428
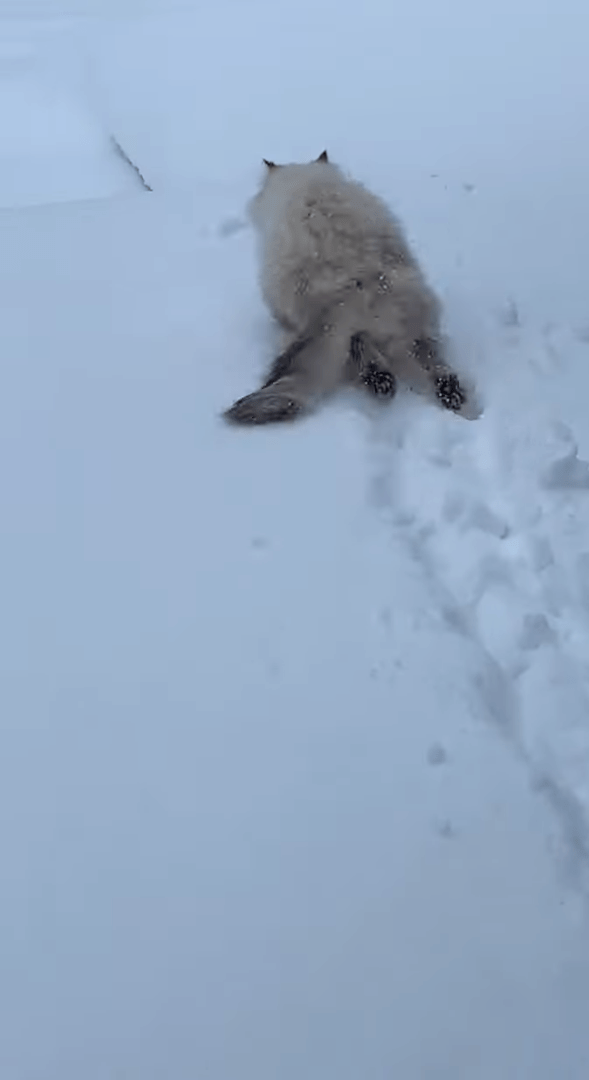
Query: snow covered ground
x,y
294,723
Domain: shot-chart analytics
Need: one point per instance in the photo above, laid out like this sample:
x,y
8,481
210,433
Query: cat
x,y
339,277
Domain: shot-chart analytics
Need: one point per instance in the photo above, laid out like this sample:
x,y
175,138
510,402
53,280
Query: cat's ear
x,y
323,158
270,164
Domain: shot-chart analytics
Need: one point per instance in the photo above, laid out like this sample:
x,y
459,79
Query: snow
x,y
294,723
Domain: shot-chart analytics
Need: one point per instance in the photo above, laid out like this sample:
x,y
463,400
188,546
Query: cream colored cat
x,y
339,277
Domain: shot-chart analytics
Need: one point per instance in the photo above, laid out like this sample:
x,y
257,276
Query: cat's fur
x,y
339,277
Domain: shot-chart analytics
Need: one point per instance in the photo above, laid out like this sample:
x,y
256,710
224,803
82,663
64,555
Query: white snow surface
x,y
294,722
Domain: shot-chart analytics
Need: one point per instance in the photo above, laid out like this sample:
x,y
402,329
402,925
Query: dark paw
x,y
449,392
380,382
263,407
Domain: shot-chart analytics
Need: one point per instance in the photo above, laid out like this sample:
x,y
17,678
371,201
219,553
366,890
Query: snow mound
x,y
53,148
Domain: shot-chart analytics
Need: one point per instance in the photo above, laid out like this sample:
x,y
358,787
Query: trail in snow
x,y
294,725
497,515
